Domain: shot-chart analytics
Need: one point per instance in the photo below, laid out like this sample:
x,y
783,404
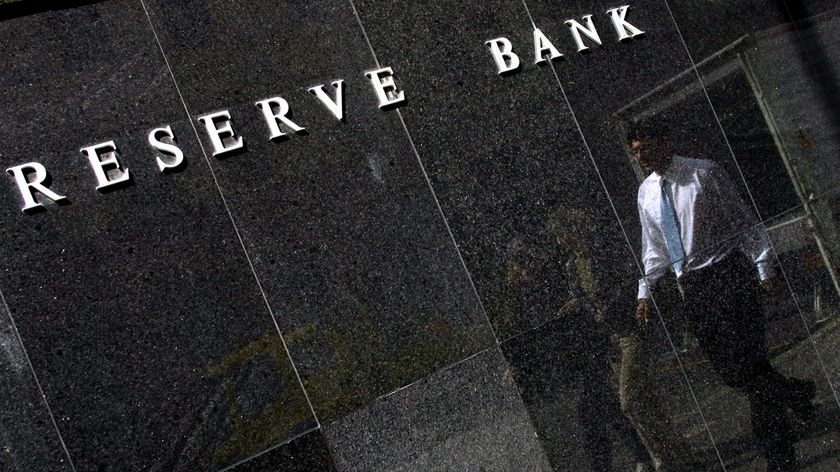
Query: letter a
x,y
543,45
623,29
502,50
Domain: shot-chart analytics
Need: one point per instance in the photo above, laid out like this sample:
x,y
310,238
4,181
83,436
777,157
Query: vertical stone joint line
x,y
230,216
37,382
630,246
755,207
432,190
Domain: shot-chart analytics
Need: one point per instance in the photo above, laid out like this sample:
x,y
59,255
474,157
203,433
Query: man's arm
x,y
754,242
655,260
655,257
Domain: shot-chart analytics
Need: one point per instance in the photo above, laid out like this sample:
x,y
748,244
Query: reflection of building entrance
x,y
778,108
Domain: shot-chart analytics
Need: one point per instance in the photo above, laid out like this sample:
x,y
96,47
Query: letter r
x,y
37,183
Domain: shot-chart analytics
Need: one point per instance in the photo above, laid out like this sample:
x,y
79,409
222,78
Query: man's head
x,y
650,143
569,226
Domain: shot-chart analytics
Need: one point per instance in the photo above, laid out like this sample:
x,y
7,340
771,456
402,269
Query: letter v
x,y
336,107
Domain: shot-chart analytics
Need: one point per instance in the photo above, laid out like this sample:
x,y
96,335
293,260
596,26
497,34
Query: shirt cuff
x,y
765,270
644,291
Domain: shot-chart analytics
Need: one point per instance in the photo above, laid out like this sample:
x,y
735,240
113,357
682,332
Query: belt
x,y
734,264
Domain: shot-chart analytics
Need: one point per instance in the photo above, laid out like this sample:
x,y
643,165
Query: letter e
x,y
217,133
101,166
385,88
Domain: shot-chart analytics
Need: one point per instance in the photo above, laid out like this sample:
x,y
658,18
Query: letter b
x,y
502,50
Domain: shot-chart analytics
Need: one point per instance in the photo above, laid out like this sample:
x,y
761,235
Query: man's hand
x,y
772,286
644,311
569,307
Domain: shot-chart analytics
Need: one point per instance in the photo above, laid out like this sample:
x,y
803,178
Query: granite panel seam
x,y
266,451
37,382
431,374
452,238
230,215
754,205
630,246
431,188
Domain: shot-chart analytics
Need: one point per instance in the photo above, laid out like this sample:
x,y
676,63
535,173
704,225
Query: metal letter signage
x,y
171,149
502,50
385,88
217,134
32,178
623,29
583,34
336,107
274,118
102,166
543,45
37,183
589,31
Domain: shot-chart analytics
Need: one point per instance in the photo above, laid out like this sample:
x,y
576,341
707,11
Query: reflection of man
x,y
598,406
694,221
587,270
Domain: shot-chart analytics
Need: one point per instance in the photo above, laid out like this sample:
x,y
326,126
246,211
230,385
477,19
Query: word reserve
x,y
33,177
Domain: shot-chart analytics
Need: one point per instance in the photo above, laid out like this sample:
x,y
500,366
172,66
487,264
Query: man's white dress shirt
x,y
713,221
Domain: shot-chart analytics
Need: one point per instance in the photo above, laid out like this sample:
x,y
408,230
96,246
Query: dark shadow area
x,y
393,106
177,169
285,137
118,186
26,8
512,72
229,154
814,55
35,210
826,420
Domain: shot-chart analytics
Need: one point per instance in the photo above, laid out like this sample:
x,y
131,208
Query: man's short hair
x,y
651,128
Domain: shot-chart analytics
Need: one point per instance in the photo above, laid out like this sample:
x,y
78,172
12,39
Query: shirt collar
x,y
673,171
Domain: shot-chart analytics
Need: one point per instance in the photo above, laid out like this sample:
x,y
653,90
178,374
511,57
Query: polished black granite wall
x,y
384,292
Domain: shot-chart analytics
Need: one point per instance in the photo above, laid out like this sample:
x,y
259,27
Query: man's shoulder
x,y
697,164
648,189
651,181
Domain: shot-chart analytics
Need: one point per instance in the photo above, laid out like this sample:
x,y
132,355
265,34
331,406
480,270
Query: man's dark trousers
x,y
724,309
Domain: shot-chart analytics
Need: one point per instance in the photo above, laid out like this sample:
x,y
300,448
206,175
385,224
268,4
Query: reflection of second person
x,y
596,272
595,318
